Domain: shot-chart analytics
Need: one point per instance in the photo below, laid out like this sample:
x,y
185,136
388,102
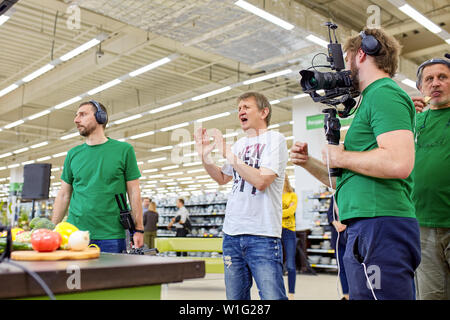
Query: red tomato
x,y
44,240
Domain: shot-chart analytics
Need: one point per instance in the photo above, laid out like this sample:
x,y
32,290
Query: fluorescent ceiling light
x,y
38,115
268,76
181,125
448,40
409,83
220,115
136,116
68,102
177,173
13,166
191,164
44,158
161,148
156,159
317,40
420,18
38,145
273,126
3,19
70,135
149,67
150,170
156,176
170,167
5,155
264,14
303,95
28,162
8,89
141,135
196,170
21,150
104,86
80,49
59,154
167,107
185,144
274,101
14,124
290,138
38,72
211,93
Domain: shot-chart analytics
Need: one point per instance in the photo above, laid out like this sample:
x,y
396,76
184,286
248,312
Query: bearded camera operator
x,y
374,191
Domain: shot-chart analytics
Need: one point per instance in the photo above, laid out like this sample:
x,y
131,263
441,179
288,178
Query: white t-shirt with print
x,y
250,211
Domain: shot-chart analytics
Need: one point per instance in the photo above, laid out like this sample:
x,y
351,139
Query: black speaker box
x,y
36,181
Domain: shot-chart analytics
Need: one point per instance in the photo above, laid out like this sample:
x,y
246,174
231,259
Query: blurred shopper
x,y
288,238
150,223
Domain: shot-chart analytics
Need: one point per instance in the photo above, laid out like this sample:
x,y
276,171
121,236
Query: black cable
x,y
35,276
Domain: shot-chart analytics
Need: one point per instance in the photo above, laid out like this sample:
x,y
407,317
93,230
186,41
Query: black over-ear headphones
x,y
100,115
370,45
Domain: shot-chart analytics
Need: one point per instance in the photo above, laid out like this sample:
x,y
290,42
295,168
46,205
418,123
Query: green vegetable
x,y
16,245
41,223
24,236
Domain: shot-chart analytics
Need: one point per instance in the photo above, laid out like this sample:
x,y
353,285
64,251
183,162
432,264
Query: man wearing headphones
x,y
374,192
93,174
432,180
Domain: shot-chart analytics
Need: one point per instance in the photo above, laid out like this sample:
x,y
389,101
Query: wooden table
x,y
111,276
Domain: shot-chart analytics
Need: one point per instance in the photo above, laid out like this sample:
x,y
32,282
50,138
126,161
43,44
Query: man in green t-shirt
x,y
93,174
431,193
374,192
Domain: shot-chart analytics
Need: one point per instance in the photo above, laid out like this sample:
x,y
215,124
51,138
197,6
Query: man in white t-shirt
x,y
252,228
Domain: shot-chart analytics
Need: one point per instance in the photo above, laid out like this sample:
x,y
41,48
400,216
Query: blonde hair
x,y
287,188
152,206
388,57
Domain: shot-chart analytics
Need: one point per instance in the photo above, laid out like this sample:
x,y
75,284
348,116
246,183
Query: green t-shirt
x,y
431,192
97,173
385,107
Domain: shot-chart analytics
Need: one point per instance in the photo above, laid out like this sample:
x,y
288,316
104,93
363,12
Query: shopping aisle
x,y
212,287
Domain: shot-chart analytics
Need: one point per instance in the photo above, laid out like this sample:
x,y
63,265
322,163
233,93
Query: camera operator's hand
x,y
299,154
419,103
334,154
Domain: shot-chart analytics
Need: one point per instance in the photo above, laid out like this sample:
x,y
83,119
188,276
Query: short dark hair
x,y
181,200
261,102
94,108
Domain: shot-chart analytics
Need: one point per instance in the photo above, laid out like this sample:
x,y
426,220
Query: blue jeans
x,y
247,256
111,245
290,245
387,251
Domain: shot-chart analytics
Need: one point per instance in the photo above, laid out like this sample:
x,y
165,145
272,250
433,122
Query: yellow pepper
x,y
14,232
65,229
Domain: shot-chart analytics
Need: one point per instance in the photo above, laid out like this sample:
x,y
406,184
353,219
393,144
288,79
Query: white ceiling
x,y
216,44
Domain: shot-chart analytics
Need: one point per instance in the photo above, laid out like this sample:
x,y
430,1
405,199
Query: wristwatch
x,y
140,231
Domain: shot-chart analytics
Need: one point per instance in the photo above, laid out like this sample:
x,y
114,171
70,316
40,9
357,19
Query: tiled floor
x,y
322,286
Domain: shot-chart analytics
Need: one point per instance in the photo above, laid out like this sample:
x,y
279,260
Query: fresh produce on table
x,y
24,236
15,245
79,240
45,240
15,231
65,229
41,223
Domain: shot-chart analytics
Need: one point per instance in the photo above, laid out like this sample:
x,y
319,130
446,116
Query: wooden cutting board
x,y
89,253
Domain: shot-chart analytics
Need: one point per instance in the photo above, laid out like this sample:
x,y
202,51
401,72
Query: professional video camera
x,y
338,88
